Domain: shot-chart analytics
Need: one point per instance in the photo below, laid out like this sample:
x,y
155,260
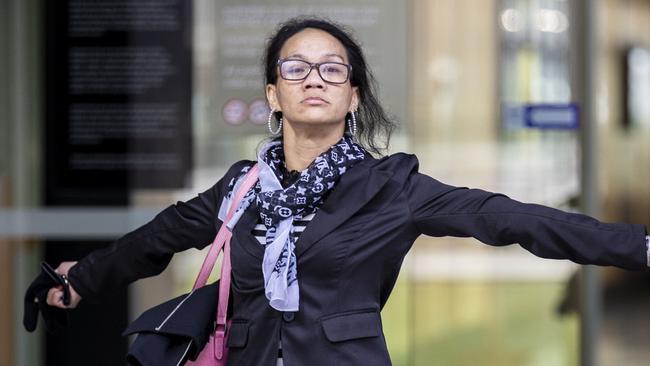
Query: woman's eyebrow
x,y
297,55
335,55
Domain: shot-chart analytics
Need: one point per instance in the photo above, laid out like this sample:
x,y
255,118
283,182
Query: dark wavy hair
x,y
374,127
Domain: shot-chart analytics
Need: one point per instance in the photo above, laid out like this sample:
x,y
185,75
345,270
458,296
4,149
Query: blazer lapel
x,y
355,188
243,232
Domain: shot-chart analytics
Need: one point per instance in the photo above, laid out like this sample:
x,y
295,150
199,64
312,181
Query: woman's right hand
x,y
55,294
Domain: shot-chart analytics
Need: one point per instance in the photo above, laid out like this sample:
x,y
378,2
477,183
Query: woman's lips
x,y
314,101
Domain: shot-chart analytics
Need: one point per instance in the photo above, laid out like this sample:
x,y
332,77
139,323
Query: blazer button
x,y
288,316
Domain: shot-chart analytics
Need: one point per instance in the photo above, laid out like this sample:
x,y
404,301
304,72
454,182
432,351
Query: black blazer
x,y
349,256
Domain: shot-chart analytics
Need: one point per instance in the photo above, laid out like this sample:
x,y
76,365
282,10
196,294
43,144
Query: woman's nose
x,y
313,80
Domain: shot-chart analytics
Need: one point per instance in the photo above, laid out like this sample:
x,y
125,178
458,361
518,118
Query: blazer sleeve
x,y
147,251
439,210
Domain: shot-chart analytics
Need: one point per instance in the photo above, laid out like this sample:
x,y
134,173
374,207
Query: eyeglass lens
x,y
332,72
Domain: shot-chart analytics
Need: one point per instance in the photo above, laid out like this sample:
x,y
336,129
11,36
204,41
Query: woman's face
x,y
313,101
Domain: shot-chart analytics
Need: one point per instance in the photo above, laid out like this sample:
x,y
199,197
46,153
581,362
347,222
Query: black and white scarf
x,y
278,206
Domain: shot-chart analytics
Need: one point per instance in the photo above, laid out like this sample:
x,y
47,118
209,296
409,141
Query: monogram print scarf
x,y
279,206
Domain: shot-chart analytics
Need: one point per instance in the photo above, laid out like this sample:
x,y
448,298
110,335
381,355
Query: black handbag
x,y
188,321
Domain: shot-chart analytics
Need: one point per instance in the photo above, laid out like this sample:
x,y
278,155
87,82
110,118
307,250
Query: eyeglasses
x,y
330,72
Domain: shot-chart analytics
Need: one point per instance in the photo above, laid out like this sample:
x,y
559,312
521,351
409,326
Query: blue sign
x,y
552,116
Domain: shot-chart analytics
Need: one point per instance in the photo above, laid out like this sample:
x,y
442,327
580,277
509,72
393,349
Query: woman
x,y
317,251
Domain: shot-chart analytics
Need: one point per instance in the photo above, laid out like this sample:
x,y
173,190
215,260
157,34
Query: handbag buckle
x,y
219,340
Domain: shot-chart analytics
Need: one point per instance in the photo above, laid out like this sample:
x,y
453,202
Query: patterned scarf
x,y
279,206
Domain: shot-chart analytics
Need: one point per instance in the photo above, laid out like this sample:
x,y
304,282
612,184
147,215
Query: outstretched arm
x,y
148,250
442,210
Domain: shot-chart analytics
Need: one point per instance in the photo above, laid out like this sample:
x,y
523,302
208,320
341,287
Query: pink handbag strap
x,y
222,241
224,233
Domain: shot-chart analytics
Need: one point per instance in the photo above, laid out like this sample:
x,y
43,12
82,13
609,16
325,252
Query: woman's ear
x,y
271,97
354,103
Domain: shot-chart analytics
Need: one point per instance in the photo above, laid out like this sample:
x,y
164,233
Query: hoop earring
x,y
352,124
268,124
